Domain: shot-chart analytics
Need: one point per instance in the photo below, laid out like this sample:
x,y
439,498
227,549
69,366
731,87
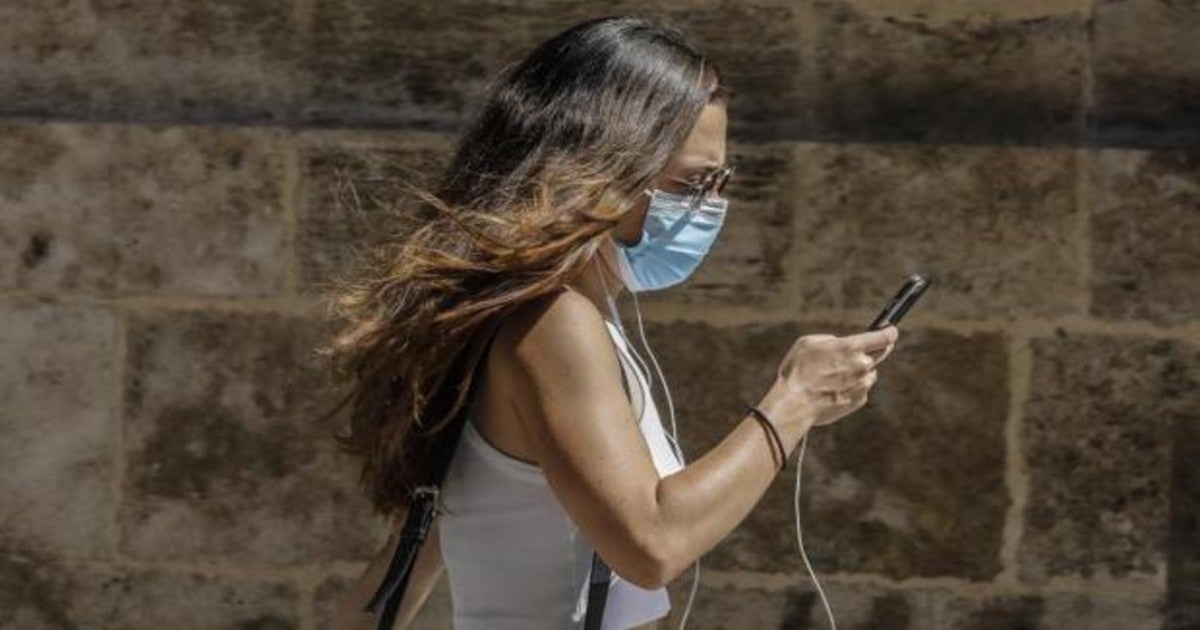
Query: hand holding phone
x,y
823,374
847,355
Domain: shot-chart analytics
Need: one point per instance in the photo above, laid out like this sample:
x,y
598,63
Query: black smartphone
x,y
913,287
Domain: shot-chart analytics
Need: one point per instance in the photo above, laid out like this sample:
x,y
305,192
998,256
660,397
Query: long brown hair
x,y
594,113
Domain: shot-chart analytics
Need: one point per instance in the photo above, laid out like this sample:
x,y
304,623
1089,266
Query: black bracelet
x,y
761,417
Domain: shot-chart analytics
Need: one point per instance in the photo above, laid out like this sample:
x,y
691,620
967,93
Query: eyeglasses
x,y
713,183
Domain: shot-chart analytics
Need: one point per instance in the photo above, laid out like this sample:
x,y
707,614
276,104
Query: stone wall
x,y
1028,458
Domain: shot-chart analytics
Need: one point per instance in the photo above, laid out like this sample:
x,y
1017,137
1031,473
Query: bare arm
x,y
569,396
426,570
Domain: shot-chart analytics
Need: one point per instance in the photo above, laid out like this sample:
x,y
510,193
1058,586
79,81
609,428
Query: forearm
x,y
699,505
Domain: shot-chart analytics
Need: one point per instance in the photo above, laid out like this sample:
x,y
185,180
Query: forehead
x,y
704,148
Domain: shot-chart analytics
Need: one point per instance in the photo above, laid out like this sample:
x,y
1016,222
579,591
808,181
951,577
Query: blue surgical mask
x,y
675,239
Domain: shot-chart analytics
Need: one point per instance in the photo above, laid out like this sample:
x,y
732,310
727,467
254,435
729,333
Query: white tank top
x,y
515,560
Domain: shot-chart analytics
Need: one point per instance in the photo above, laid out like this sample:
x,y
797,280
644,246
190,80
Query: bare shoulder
x,y
560,326
560,359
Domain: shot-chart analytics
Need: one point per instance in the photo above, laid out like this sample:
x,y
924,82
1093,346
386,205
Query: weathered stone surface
x,y
910,485
428,65
37,592
1146,68
936,72
1096,436
436,614
222,60
764,63
996,229
1146,236
1183,547
746,265
422,64
1051,611
55,398
226,457
121,209
352,195
855,606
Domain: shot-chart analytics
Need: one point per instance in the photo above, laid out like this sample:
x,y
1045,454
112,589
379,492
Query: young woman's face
x,y
703,152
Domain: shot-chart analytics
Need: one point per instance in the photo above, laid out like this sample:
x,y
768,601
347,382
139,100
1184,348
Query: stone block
x,y
1097,433
996,229
352,196
1146,68
428,66
56,396
911,485
1048,611
423,65
123,209
227,459
950,72
437,613
854,606
1145,224
182,60
37,592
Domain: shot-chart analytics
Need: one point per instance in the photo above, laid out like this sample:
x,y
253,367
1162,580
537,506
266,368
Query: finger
x,y
872,339
853,398
867,382
862,385
849,376
880,355
862,363
852,376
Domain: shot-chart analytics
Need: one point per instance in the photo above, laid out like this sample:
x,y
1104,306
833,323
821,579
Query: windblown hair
x,y
564,141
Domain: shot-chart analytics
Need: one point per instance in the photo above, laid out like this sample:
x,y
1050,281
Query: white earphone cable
x,y
673,435
800,538
674,438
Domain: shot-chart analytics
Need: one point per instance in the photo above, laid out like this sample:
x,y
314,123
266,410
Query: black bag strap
x,y
422,504
387,598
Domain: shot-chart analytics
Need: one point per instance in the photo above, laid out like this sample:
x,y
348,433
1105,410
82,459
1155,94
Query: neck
x,y
591,282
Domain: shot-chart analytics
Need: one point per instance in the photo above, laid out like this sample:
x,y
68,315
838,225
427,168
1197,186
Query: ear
x,y
629,229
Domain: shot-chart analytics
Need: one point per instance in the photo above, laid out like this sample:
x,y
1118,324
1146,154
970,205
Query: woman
x,y
595,167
